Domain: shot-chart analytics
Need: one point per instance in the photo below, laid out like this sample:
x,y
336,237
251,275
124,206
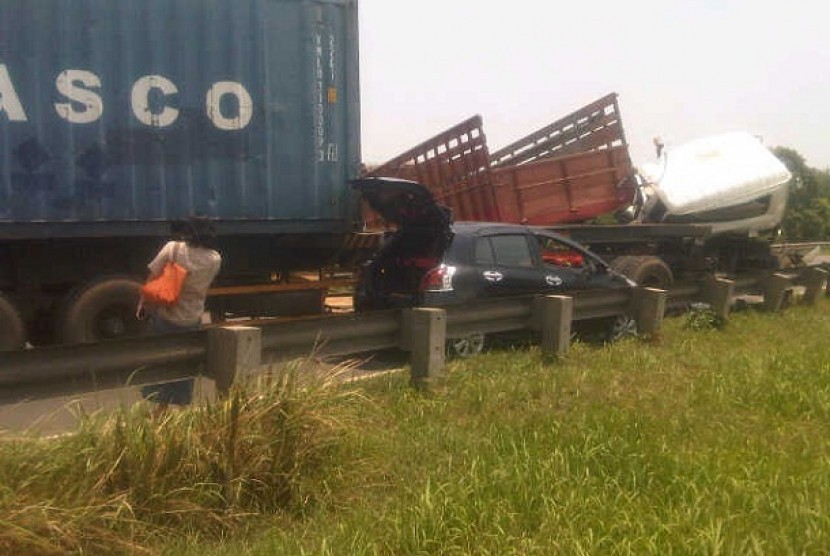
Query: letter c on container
x,y
214,109
141,102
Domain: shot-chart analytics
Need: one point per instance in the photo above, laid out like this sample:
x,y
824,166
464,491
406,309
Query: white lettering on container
x,y
84,103
214,109
9,101
86,106
141,101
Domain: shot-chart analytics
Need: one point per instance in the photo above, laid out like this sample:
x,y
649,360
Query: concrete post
x,y
232,353
427,340
776,289
815,280
555,318
649,309
718,292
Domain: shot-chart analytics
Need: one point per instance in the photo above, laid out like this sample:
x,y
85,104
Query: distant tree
x,y
823,182
808,207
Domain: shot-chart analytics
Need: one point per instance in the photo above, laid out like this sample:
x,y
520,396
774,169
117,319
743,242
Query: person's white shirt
x,y
202,265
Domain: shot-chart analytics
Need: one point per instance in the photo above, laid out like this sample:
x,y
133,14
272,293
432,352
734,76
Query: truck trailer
x,y
119,118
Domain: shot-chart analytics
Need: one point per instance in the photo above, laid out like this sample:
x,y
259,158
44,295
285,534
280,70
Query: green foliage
x,y
702,317
808,208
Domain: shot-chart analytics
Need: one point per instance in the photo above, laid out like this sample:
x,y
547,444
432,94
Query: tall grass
x,y
123,479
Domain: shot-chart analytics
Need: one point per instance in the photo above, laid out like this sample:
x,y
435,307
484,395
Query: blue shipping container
x,y
142,111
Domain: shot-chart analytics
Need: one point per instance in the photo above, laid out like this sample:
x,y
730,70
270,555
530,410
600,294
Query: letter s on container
x,y
69,84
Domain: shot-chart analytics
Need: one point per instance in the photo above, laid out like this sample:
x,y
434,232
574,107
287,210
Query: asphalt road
x,y
60,415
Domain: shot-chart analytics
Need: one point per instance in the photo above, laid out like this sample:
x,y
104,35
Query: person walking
x,y
195,250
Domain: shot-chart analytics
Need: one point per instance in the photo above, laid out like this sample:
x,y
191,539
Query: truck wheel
x,y
103,309
647,271
12,328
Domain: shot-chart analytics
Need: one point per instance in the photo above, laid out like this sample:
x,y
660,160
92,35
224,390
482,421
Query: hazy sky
x,y
683,69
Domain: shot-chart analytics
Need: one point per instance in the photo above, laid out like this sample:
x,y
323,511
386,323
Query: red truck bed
x,y
564,189
572,170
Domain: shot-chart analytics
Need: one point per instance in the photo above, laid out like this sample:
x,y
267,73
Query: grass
x,y
713,441
123,481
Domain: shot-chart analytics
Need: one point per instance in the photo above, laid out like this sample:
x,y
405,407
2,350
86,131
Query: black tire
x,y
103,309
12,327
647,271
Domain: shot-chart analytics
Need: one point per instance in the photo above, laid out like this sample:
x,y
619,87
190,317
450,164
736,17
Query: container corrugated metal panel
x,y
148,110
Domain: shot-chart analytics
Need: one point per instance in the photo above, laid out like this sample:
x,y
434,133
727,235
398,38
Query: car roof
x,y
479,228
487,227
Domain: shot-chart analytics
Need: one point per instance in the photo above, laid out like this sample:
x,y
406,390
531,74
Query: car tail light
x,y
438,279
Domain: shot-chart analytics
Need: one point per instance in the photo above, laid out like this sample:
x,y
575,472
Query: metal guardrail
x,y
799,245
72,369
799,253
64,370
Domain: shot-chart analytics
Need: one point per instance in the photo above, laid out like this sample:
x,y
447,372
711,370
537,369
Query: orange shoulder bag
x,y
165,288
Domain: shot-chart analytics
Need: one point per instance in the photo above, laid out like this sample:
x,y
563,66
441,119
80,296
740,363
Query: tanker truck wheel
x,y
647,271
12,328
103,309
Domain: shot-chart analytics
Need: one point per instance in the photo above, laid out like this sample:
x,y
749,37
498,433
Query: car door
x,y
564,267
506,265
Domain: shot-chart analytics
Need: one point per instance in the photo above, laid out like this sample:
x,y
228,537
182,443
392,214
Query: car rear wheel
x,y
468,346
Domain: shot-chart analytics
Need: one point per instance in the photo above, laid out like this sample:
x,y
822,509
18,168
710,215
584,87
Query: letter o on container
x,y
214,109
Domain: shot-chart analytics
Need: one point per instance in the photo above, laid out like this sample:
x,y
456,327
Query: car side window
x,y
484,252
559,254
512,250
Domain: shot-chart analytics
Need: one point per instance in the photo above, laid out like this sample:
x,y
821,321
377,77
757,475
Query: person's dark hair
x,y
199,231
178,229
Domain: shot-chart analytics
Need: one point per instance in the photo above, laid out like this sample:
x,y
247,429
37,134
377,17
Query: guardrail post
x,y
555,318
649,308
427,342
776,290
232,353
718,293
814,282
